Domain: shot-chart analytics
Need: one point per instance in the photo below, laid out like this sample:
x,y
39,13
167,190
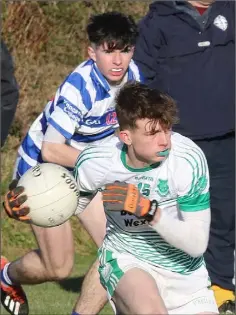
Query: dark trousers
x,y
219,257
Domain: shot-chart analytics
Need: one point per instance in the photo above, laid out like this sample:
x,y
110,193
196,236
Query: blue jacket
x,y
193,62
9,92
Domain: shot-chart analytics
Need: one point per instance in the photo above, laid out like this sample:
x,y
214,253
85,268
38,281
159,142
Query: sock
x,y
222,295
4,275
75,313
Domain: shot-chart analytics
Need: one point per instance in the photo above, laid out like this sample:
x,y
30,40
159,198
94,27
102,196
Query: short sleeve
x,y
92,167
193,182
68,111
90,172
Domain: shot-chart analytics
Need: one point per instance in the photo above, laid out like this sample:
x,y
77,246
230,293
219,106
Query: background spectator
x,y
9,92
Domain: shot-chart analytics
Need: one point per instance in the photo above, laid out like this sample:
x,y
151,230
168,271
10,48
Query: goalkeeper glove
x,y
13,201
120,196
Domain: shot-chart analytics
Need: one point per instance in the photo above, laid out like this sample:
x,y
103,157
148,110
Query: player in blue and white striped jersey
x,y
83,108
82,111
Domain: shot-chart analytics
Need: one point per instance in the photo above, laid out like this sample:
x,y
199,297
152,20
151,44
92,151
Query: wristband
x,y
152,210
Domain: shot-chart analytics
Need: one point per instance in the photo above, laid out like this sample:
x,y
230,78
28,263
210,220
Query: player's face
x,y
146,146
113,64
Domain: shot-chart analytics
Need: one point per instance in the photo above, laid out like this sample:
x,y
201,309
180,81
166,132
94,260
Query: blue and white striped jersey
x,y
83,111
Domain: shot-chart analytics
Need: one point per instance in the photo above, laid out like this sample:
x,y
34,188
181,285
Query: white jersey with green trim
x,y
179,183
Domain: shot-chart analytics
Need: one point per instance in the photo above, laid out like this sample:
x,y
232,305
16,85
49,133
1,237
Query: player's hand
x,y
122,196
13,201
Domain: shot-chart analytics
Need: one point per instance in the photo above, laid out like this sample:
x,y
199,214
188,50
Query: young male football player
x,y
82,111
151,260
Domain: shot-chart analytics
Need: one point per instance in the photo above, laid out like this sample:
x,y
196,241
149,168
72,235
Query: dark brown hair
x,y
137,101
115,29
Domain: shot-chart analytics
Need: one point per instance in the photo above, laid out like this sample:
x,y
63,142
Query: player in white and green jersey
x,y
151,259
184,174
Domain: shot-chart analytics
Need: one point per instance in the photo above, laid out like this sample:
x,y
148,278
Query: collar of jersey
x,y
98,77
123,155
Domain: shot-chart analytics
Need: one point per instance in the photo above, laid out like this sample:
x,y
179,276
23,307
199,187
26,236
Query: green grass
x,y
54,298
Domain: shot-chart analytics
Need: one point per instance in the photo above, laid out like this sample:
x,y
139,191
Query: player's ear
x,y
91,52
125,137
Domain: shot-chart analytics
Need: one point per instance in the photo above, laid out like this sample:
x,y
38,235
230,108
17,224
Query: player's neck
x,y
133,161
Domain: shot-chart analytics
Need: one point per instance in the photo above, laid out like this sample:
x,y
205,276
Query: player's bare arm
x,y
55,149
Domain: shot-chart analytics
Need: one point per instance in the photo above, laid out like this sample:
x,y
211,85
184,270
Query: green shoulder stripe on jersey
x,y
196,153
90,153
198,164
76,169
197,203
93,150
131,169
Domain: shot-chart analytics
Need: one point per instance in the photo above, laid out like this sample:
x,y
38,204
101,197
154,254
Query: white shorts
x,y
182,294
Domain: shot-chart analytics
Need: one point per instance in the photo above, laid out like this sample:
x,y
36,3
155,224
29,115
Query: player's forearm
x,y
59,153
190,235
95,210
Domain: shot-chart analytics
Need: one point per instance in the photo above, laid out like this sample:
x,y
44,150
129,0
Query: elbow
x,y
199,249
46,153
197,253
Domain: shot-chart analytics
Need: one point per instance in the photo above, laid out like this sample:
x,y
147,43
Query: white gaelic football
x,y
52,194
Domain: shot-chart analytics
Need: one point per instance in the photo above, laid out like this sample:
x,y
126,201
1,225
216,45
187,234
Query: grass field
x,y
59,298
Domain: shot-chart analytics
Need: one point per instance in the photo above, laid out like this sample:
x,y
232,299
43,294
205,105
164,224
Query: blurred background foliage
x,y
47,40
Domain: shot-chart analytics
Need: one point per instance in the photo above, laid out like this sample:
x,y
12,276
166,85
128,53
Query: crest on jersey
x,y
162,187
221,22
